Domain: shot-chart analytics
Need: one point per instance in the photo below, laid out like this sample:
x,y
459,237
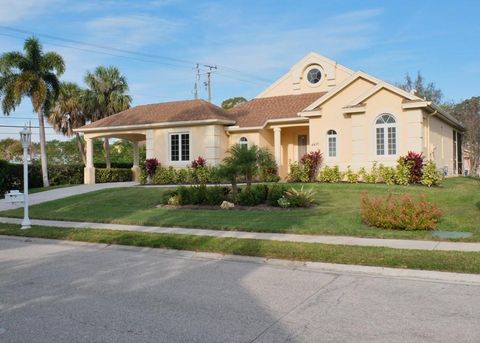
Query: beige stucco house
x,y
354,118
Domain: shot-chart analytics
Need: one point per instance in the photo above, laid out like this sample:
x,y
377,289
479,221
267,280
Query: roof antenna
x,y
197,78
208,83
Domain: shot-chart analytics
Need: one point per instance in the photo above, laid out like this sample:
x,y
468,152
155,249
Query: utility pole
x,y
208,83
197,78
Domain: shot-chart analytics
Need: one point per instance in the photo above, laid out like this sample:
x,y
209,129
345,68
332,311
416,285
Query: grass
x,y
464,262
337,214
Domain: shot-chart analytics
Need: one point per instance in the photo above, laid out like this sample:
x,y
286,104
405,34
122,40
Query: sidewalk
x,y
339,240
59,193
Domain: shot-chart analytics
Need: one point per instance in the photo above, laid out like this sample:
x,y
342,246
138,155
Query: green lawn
x,y
465,262
337,213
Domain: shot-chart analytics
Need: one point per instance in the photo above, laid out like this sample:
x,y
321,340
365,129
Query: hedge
x,y
103,175
11,175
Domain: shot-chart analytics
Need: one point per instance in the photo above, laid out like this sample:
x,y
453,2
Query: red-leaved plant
x,y
399,212
199,162
312,162
416,160
151,165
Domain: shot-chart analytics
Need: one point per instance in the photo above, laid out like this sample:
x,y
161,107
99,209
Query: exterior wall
x,y
356,146
208,141
441,144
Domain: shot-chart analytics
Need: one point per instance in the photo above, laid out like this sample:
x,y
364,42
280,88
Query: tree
x,y
428,91
66,113
33,74
247,161
106,95
232,102
468,112
11,150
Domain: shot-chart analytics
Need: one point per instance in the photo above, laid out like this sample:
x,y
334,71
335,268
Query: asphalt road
x,y
58,292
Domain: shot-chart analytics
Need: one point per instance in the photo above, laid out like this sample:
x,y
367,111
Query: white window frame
x,y
385,127
243,141
179,134
327,149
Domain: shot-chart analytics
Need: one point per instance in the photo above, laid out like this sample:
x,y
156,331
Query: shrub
x,y
216,195
330,174
416,165
431,176
300,197
252,196
478,204
183,176
402,172
199,162
174,200
399,212
151,165
283,202
167,195
311,162
165,176
298,173
103,175
351,176
275,192
373,176
200,175
387,174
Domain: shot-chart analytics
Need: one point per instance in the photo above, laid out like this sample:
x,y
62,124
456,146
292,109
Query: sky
x,y
156,44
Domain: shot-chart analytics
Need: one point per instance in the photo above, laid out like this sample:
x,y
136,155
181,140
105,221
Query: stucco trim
x,y
360,74
156,125
267,123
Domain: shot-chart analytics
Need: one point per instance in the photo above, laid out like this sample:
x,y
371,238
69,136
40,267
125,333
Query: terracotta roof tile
x,y
174,111
257,111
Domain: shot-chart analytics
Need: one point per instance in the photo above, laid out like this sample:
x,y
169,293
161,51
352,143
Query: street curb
x,y
319,267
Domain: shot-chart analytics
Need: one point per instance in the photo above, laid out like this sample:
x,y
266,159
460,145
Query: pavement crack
x,y
294,308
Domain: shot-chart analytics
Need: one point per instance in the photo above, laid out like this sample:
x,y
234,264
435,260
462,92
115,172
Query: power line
x,y
188,63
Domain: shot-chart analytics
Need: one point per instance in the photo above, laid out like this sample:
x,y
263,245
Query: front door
x,y
302,146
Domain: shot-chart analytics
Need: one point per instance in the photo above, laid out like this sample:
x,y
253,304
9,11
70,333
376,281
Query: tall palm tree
x,y
66,113
106,95
33,74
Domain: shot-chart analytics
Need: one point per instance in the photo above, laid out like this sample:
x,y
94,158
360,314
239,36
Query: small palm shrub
x,y
399,212
298,197
431,176
150,166
330,174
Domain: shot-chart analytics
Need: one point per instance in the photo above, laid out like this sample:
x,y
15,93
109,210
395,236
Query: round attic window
x,y
314,76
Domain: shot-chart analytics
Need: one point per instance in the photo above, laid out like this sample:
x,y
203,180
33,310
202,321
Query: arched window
x,y
243,142
332,143
386,135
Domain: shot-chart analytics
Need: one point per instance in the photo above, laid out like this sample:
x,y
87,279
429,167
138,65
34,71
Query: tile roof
x,y
174,111
257,111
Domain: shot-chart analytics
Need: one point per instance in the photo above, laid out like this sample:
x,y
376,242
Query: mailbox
x,y
14,197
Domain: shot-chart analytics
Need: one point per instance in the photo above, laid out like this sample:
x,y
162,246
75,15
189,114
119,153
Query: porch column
x,y
136,160
277,144
149,143
89,170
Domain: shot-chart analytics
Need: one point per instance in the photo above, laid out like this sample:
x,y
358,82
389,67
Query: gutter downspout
x,y
428,132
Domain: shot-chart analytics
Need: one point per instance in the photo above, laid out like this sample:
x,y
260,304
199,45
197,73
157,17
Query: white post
x,y
136,162
89,171
26,221
277,144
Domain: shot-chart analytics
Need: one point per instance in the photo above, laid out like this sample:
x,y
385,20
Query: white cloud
x,y
131,31
15,10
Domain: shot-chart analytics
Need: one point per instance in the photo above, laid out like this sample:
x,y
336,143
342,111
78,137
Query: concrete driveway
x,y
63,292
59,193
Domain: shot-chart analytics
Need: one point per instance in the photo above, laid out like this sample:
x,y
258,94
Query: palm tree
x,y
248,161
33,74
66,113
107,95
